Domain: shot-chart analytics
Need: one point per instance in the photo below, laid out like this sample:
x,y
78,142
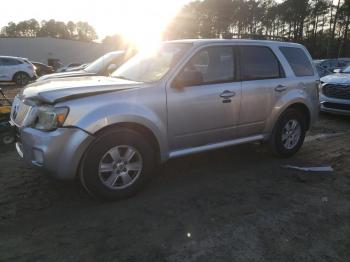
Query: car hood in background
x,y
62,89
336,79
65,74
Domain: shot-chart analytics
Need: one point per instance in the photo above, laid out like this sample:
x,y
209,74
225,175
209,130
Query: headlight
x,y
49,118
320,86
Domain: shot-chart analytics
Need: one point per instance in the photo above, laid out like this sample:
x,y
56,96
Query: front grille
x,y
336,106
336,91
19,111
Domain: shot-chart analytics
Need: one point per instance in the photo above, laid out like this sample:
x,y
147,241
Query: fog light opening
x,y
38,156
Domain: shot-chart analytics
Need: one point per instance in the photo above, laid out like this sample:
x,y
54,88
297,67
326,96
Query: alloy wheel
x,y
120,167
21,79
291,134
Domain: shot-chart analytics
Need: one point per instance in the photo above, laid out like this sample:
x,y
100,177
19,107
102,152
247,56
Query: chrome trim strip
x,y
19,149
193,150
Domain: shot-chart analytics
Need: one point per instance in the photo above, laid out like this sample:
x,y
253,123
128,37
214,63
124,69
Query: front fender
x,y
93,119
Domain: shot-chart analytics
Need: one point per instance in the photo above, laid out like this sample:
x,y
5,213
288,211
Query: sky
x,y
108,17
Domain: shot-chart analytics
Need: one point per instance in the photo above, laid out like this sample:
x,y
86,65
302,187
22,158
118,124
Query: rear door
x,y
11,67
261,75
4,69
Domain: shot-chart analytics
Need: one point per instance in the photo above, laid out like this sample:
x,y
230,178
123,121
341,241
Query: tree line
x,y
81,31
321,25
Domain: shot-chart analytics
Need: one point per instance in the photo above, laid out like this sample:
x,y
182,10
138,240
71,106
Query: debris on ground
x,y
324,199
311,168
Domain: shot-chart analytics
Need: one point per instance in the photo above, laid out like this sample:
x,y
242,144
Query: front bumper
x,y
58,152
334,105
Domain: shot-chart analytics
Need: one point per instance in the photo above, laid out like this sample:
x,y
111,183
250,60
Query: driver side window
x,y
212,65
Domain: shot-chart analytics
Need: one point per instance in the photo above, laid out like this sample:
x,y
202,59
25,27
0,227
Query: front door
x,y
205,112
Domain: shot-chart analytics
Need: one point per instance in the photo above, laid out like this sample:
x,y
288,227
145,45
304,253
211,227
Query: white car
x,y
335,92
102,66
16,69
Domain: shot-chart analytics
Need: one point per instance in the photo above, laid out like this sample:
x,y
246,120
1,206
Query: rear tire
x,y
289,133
21,79
117,165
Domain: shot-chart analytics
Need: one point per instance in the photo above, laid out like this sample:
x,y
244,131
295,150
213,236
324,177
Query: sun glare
x,y
143,22
146,38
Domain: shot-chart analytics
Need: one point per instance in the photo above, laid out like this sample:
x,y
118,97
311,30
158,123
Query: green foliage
x,y
117,41
81,31
322,25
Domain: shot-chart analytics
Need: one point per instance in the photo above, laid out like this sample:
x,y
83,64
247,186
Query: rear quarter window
x,y
298,61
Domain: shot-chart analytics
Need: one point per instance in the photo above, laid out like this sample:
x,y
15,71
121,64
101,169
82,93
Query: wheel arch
x,y
18,72
139,128
301,107
297,105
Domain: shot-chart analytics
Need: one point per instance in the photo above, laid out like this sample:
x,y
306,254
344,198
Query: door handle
x,y
227,94
280,88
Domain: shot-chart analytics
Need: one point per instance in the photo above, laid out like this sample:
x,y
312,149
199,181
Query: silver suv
x,y
187,97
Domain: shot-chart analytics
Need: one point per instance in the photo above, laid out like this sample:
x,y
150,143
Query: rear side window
x,y
298,61
10,62
259,62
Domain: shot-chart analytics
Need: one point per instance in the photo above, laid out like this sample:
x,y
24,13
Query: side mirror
x,y
111,68
337,70
188,78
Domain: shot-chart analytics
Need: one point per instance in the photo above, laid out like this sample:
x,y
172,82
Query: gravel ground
x,y
235,204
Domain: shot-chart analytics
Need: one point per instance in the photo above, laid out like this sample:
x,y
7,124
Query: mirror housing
x,y
111,68
188,78
337,70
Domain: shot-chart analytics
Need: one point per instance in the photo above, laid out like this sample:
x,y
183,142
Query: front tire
x,y
7,138
289,133
117,165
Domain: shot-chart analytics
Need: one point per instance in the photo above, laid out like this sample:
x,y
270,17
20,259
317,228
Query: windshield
x,y
100,64
152,67
346,70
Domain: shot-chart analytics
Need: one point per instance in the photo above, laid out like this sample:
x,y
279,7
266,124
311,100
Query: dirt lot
x,y
235,204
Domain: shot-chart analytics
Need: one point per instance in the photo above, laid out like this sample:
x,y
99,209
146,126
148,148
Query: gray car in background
x,y
189,96
103,66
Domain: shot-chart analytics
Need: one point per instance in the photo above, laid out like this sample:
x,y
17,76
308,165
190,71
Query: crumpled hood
x,y
61,89
65,74
336,79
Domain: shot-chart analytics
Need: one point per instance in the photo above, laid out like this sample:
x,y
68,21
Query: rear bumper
x,y
335,106
58,152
